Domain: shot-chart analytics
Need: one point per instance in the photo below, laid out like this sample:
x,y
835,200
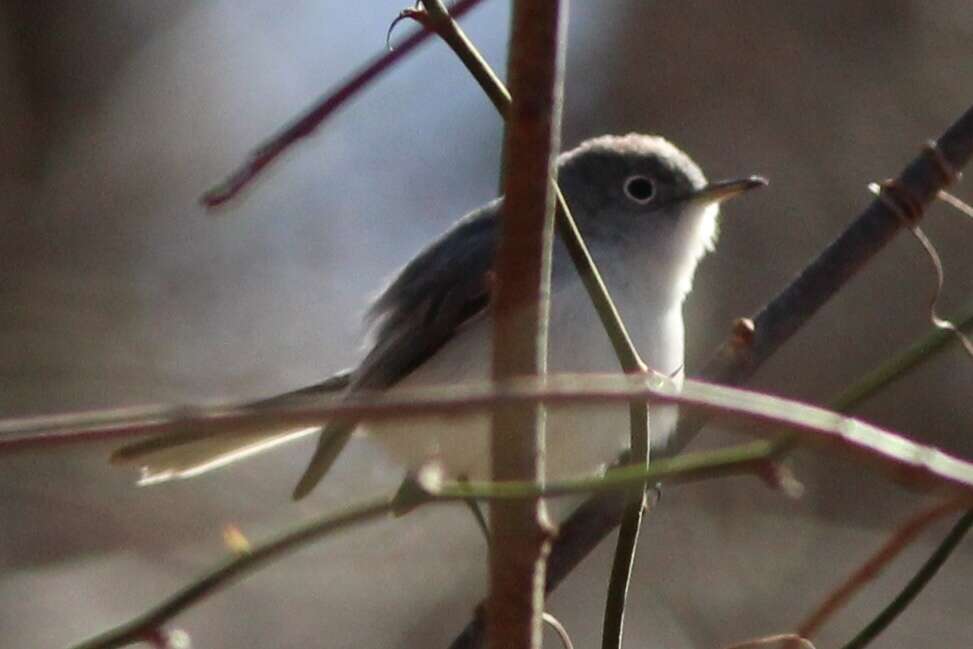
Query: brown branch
x,y
915,585
307,123
435,16
520,535
921,181
738,357
898,541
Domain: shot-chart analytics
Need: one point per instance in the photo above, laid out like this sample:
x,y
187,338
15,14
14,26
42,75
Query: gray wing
x,y
431,297
417,313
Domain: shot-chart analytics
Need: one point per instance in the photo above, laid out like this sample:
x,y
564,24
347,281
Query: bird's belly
x,y
579,439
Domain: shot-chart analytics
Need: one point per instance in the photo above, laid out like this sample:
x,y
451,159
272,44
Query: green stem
x,y
915,585
628,357
890,371
683,468
138,629
900,364
693,466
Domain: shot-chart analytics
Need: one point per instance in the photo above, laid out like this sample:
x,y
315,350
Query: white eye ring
x,y
640,189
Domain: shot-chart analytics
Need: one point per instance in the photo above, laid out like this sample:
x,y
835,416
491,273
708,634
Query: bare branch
x,y
915,585
911,463
147,625
600,514
903,536
921,181
519,530
307,123
414,493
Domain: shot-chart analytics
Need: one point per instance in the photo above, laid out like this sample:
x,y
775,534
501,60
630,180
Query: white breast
x,y
579,439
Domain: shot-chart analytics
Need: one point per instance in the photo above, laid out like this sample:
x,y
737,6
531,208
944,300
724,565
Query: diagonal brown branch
x,y
740,356
921,181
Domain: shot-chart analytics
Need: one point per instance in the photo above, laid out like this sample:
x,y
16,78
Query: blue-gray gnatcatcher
x,y
648,216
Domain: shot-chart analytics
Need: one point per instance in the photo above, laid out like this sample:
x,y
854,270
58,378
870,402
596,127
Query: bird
x,y
648,216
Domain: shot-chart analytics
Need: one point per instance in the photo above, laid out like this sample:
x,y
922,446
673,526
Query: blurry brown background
x,y
115,288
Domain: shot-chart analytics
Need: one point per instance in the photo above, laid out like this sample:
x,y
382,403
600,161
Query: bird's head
x,y
640,197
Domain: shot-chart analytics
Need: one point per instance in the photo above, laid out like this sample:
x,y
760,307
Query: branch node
x,y
945,167
416,13
779,477
418,488
161,639
899,200
742,334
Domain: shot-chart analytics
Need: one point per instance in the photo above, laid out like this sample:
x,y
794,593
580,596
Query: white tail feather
x,y
200,456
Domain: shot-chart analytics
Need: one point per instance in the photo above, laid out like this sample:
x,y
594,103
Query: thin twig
x,y
900,539
613,622
922,180
448,29
559,629
740,356
900,365
144,625
595,519
742,459
307,123
435,16
886,193
913,464
915,585
786,640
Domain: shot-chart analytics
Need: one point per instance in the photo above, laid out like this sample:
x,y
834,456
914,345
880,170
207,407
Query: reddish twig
x,y
307,123
900,539
784,640
911,463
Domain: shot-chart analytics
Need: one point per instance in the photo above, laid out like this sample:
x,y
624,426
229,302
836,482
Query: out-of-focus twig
x,y
147,624
307,123
782,641
900,539
914,464
600,514
416,492
915,585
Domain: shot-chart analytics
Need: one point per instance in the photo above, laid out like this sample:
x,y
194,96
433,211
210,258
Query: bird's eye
x,y
640,189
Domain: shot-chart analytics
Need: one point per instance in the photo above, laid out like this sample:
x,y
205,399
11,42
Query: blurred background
x,y
117,289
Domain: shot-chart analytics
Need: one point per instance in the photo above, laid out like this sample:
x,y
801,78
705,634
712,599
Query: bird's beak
x,y
719,191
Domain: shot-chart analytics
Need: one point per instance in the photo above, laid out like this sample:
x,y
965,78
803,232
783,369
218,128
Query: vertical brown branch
x,y
521,301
